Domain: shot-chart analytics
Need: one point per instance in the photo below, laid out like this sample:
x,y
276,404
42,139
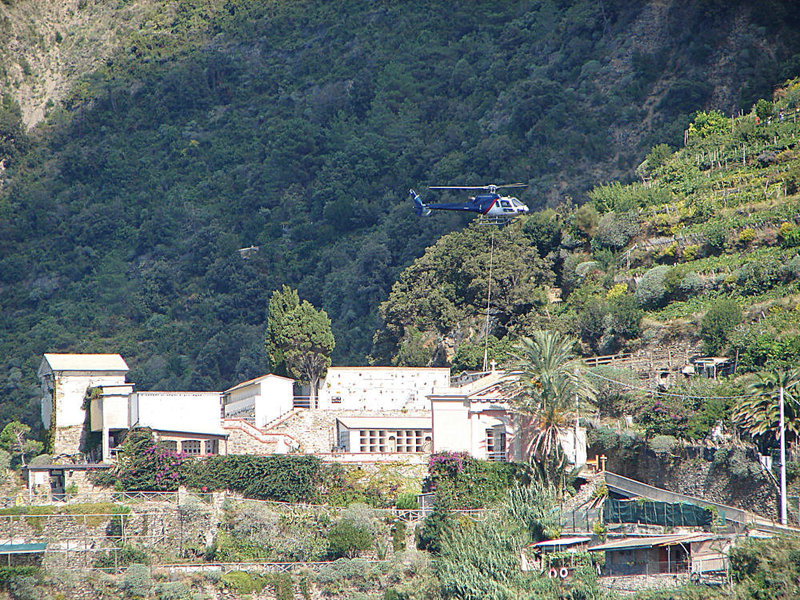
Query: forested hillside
x,y
208,126
701,253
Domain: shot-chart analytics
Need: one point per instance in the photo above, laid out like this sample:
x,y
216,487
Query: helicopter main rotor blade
x,y
456,187
477,187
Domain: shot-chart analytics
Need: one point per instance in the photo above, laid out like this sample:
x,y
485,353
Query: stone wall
x,y
730,475
241,442
77,540
315,430
67,440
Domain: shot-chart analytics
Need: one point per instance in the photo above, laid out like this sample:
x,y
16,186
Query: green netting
x,y
656,513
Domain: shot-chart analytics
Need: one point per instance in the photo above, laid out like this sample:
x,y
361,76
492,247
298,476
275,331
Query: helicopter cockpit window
x,y
505,203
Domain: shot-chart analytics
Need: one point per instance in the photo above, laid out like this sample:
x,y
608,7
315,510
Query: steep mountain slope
x,y
197,128
714,224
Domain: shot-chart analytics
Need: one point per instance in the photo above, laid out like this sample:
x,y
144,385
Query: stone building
x,y
65,379
87,393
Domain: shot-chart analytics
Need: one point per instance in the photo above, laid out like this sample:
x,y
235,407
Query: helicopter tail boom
x,y
419,205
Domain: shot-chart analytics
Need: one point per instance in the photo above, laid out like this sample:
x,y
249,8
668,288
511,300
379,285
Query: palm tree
x,y
759,413
548,385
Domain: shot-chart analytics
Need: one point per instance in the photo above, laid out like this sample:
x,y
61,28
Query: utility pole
x,y
488,301
784,511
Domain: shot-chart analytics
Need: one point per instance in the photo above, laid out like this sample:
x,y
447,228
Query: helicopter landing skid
x,y
496,220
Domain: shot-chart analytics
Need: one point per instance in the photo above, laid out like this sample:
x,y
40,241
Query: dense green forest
x,y
298,127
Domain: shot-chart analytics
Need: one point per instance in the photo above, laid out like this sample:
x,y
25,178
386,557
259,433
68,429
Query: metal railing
x,y
647,567
301,402
84,497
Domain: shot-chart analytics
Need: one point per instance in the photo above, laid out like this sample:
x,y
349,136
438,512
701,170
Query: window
x,y
170,445
191,447
212,446
496,444
401,440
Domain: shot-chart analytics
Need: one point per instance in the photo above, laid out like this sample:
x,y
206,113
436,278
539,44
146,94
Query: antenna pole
x,y
488,300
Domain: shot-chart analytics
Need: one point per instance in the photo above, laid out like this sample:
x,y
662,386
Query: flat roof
x,y
386,422
32,548
85,362
68,467
256,380
388,368
652,542
567,541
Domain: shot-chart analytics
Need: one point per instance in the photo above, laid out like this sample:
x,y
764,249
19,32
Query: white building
x,y
84,393
381,388
65,379
384,435
478,420
259,400
187,422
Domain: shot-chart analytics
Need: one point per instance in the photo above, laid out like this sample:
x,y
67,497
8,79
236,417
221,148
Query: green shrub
x,y
399,536
691,284
651,291
9,573
406,502
172,590
136,581
429,535
244,583
789,235
718,323
585,220
461,481
284,478
24,588
347,540
125,556
615,230
663,444
543,231
624,317
759,276
716,236
747,235
345,573
707,124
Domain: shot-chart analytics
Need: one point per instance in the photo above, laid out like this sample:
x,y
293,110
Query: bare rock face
x,y
46,46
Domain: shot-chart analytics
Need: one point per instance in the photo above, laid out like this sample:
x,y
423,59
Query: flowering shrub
x,y
465,482
145,465
664,416
446,463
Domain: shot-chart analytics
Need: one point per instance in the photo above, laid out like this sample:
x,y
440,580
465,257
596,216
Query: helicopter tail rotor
x,y
419,205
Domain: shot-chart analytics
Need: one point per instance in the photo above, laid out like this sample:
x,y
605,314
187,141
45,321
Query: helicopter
x,y
491,206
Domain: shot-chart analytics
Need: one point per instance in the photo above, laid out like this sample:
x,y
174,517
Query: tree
x,y
299,337
548,381
718,323
346,539
759,413
14,438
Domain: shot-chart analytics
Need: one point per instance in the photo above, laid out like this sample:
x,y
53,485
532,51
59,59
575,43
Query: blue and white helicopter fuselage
x,y
491,205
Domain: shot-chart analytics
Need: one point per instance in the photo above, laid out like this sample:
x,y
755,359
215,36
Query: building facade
x,y
83,393
381,388
259,401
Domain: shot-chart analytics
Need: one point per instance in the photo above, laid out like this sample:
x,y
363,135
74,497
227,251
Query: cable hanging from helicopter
x,y
491,206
